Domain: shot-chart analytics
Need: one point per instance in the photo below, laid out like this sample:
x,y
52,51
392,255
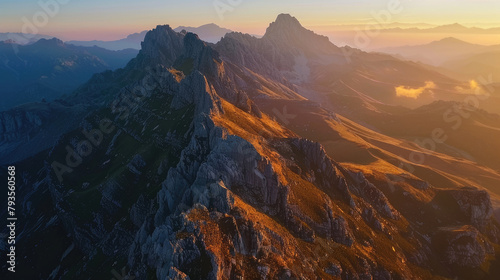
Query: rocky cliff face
x,y
464,247
194,182
475,205
162,45
13,125
285,44
32,128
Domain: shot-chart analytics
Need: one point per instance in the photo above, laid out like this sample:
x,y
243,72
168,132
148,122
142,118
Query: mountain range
x,y
208,32
49,68
437,52
455,57
447,28
281,157
22,38
132,41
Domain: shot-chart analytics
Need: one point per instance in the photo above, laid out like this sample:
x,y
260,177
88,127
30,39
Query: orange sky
x,y
113,19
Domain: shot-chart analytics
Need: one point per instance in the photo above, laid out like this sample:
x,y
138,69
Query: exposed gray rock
x,y
317,160
162,45
475,205
373,195
340,231
463,247
334,269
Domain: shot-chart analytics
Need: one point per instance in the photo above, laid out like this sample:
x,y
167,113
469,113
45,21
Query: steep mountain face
x,y
27,130
285,42
363,87
44,71
319,68
175,173
162,45
48,69
287,33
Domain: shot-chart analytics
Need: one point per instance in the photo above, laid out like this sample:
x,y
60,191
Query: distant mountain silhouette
x,y
21,38
362,24
447,28
133,41
211,32
456,58
208,32
438,52
485,64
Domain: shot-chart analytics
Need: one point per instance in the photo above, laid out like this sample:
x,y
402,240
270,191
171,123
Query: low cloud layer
x,y
474,88
414,92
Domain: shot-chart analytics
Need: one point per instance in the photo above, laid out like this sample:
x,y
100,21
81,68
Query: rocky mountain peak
x,y
193,44
287,32
284,24
197,55
161,45
184,51
286,20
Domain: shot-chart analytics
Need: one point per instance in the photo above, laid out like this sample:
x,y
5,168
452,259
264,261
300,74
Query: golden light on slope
x,y
255,130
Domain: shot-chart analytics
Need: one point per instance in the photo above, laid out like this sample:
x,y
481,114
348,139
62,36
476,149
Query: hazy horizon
x,y
337,34
92,20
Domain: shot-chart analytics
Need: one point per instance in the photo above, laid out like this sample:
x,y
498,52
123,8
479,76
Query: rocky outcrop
x,y
253,53
197,55
15,125
463,247
29,129
372,195
326,173
475,205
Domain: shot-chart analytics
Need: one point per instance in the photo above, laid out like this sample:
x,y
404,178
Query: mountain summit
x,y
286,32
284,22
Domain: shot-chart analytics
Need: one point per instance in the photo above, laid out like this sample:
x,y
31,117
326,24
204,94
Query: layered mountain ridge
x,y
49,68
197,177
